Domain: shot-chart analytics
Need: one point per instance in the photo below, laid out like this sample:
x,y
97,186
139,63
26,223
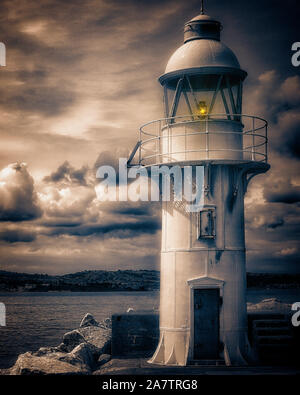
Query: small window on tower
x,y
206,224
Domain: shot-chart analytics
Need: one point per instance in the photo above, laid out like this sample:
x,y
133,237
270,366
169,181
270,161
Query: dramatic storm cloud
x,y
18,199
67,173
81,77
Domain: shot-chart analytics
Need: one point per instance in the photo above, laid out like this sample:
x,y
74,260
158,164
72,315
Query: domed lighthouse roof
x,y
202,52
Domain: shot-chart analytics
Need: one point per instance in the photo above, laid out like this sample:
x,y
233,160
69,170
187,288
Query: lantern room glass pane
x,y
203,95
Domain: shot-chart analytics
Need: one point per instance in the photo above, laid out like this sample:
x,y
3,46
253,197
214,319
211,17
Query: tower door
x,y
206,323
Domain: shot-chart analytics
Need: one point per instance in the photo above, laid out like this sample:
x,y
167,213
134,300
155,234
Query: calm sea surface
x,y
41,319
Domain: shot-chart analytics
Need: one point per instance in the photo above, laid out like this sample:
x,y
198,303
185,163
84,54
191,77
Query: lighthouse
x,y
203,313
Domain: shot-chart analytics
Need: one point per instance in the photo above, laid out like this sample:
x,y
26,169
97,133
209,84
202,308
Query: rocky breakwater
x,y
81,352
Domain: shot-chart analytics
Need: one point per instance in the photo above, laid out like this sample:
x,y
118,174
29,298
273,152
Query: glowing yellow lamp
x,y
202,108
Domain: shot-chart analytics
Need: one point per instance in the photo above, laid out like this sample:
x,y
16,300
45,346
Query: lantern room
x,y
202,97
203,76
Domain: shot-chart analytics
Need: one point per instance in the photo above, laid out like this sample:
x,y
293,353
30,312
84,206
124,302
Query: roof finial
x,y
202,7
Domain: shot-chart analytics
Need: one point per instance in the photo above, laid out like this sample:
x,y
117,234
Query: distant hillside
x,y
90,280
273,280
120,280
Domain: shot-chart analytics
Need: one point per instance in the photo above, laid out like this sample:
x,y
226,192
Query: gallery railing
x,y
249,131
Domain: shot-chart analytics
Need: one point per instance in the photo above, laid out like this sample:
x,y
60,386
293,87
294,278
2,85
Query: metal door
x,y
206,323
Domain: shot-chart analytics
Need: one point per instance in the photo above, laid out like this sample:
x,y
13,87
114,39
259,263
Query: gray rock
x,y
4,372
106,324
78,353
82,356
29,364
121,366
62,347
104,358
46,351
88,320
72,339
98,337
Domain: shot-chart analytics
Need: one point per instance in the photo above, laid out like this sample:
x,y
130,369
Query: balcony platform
x,y
237,139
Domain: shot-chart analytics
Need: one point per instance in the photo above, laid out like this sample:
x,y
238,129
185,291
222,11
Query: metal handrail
x,y
168,123
199,133
200,150
204,118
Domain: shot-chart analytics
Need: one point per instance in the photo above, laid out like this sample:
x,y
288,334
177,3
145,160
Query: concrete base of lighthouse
x,y
203,312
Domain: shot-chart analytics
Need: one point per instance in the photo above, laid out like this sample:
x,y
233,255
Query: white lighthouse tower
x,y
203,312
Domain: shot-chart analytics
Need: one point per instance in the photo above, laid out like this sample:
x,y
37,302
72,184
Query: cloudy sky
x,y
81,77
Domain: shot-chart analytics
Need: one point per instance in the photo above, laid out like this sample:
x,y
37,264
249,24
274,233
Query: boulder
x,y
79,353
104,358
88,320
29,364
107,323
82,356
72,339
98,337
47,351
62,347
